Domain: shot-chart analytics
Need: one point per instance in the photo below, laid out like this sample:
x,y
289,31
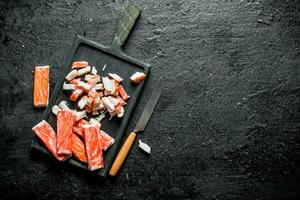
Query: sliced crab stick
x,y
79,64
92,139
106,140
71,75
75,94
80,115
41,86
55,109
123,93
78,148
64,105
69,86
84,86
75,81
115,77
84,71
109,85
82,102
137,77
48,136
98,86
65,121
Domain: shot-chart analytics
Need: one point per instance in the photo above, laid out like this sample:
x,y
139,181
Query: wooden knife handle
x,y
122,154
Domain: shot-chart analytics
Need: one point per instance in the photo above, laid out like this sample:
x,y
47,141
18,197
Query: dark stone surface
x,y
227,125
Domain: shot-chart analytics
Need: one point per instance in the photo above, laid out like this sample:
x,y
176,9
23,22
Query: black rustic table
x,y
227,125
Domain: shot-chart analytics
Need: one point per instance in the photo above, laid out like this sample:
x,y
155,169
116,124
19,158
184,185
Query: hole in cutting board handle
x,y
128,17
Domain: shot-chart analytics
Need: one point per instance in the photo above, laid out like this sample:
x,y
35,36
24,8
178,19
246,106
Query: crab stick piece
x,y
69,86
106,140
98,86
78,148
48,136
75,94
115,77
137,77
84,86
88,77
41,86
109,85
55,109
92,139
65,121
82,102
119,111
94,70
79,64
93,81
123,93
113,100
64,105
80,115
108,104
84,71
75,81
93,93
71,75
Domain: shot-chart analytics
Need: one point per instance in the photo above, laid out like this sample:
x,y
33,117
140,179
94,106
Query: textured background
x,y
227,125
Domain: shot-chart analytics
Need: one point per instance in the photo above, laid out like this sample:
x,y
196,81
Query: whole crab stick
x,y
41,86
48,136
93,147
65,121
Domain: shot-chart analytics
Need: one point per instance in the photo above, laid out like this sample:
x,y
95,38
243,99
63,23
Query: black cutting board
x,y
116,61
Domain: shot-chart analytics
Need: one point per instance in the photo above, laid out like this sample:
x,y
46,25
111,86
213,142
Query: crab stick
x,y
55,109
123,93
65,121
92,139
84,86
75,81
106,140
98,86
48,136
137,77
41,86
115,77
71,75
69,86
82,102
84,71
79,64
75,94
109,85
64,105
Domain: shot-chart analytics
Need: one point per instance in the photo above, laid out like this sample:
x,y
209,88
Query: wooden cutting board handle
x,y
129,14
122,154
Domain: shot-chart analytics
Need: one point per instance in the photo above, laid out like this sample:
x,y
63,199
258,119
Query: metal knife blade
x,y
148,110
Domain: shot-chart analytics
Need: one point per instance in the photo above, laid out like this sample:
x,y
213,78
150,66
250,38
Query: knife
x,y
140,126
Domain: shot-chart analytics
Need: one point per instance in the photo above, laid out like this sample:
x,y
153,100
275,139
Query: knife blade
x,y
148,110
140,126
